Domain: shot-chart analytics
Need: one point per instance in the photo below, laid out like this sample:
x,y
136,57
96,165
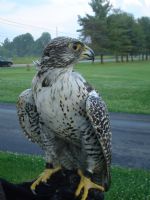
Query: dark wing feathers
x,y
98,115
28,116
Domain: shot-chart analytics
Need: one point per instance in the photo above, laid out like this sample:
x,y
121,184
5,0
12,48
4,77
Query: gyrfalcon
x,y
67,118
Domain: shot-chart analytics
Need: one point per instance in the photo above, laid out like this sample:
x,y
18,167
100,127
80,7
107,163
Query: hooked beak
x,y
87,53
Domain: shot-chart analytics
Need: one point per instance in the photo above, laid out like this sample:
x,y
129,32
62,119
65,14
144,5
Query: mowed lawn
x,y
127,184
124,86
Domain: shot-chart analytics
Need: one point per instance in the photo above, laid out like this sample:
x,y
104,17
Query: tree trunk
x,y
122,58
132,59
146,56
142,56
127,58
117,58
139,57
101,58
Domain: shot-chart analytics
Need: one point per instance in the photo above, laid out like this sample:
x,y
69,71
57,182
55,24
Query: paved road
x,y
131,137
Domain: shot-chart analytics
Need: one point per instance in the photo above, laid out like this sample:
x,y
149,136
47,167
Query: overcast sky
x,y
58,17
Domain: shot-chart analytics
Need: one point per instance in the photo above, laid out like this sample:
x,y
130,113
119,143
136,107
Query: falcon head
x,y
64,51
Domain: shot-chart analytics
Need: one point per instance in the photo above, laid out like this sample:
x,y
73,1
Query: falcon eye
x,y
76,46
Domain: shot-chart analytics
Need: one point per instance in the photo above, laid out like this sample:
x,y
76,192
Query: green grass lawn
x,y
124,86
127,184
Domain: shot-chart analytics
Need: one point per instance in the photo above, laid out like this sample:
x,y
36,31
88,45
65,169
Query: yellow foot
x,y
44,177
86,184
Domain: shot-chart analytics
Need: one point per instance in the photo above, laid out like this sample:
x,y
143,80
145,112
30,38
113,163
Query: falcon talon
x,y
33,191
88,174
86,184
46,184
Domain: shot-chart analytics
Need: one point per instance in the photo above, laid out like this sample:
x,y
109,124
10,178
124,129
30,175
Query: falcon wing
x,y
28,116
98,115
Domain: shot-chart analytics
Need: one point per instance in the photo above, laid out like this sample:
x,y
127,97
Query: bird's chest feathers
x,y
62,103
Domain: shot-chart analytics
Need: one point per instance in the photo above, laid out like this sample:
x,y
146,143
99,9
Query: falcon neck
x,y
54,73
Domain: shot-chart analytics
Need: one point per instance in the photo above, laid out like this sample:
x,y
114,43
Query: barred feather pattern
x,y
99,117
98,114
28,116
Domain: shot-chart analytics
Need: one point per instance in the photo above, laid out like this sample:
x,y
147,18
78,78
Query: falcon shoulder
x,y
97,112
28,116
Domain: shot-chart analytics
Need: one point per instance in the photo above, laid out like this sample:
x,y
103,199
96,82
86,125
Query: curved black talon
x,y
88,174
34,192
49,166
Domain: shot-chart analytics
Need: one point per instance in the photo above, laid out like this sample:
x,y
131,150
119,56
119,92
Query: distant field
x,y
127,184
124,86
24,60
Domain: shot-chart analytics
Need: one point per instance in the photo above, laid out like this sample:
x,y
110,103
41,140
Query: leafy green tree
x,y
96,26
41,42
116,31
101,8
125,34
23,44
6,48
137,38
119,32
7,44
144,23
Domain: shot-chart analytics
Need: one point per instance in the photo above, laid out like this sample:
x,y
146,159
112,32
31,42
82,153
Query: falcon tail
x,y
107,181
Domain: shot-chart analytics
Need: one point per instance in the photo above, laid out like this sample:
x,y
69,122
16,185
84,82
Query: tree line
x,y
108,31
113,31
24,45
